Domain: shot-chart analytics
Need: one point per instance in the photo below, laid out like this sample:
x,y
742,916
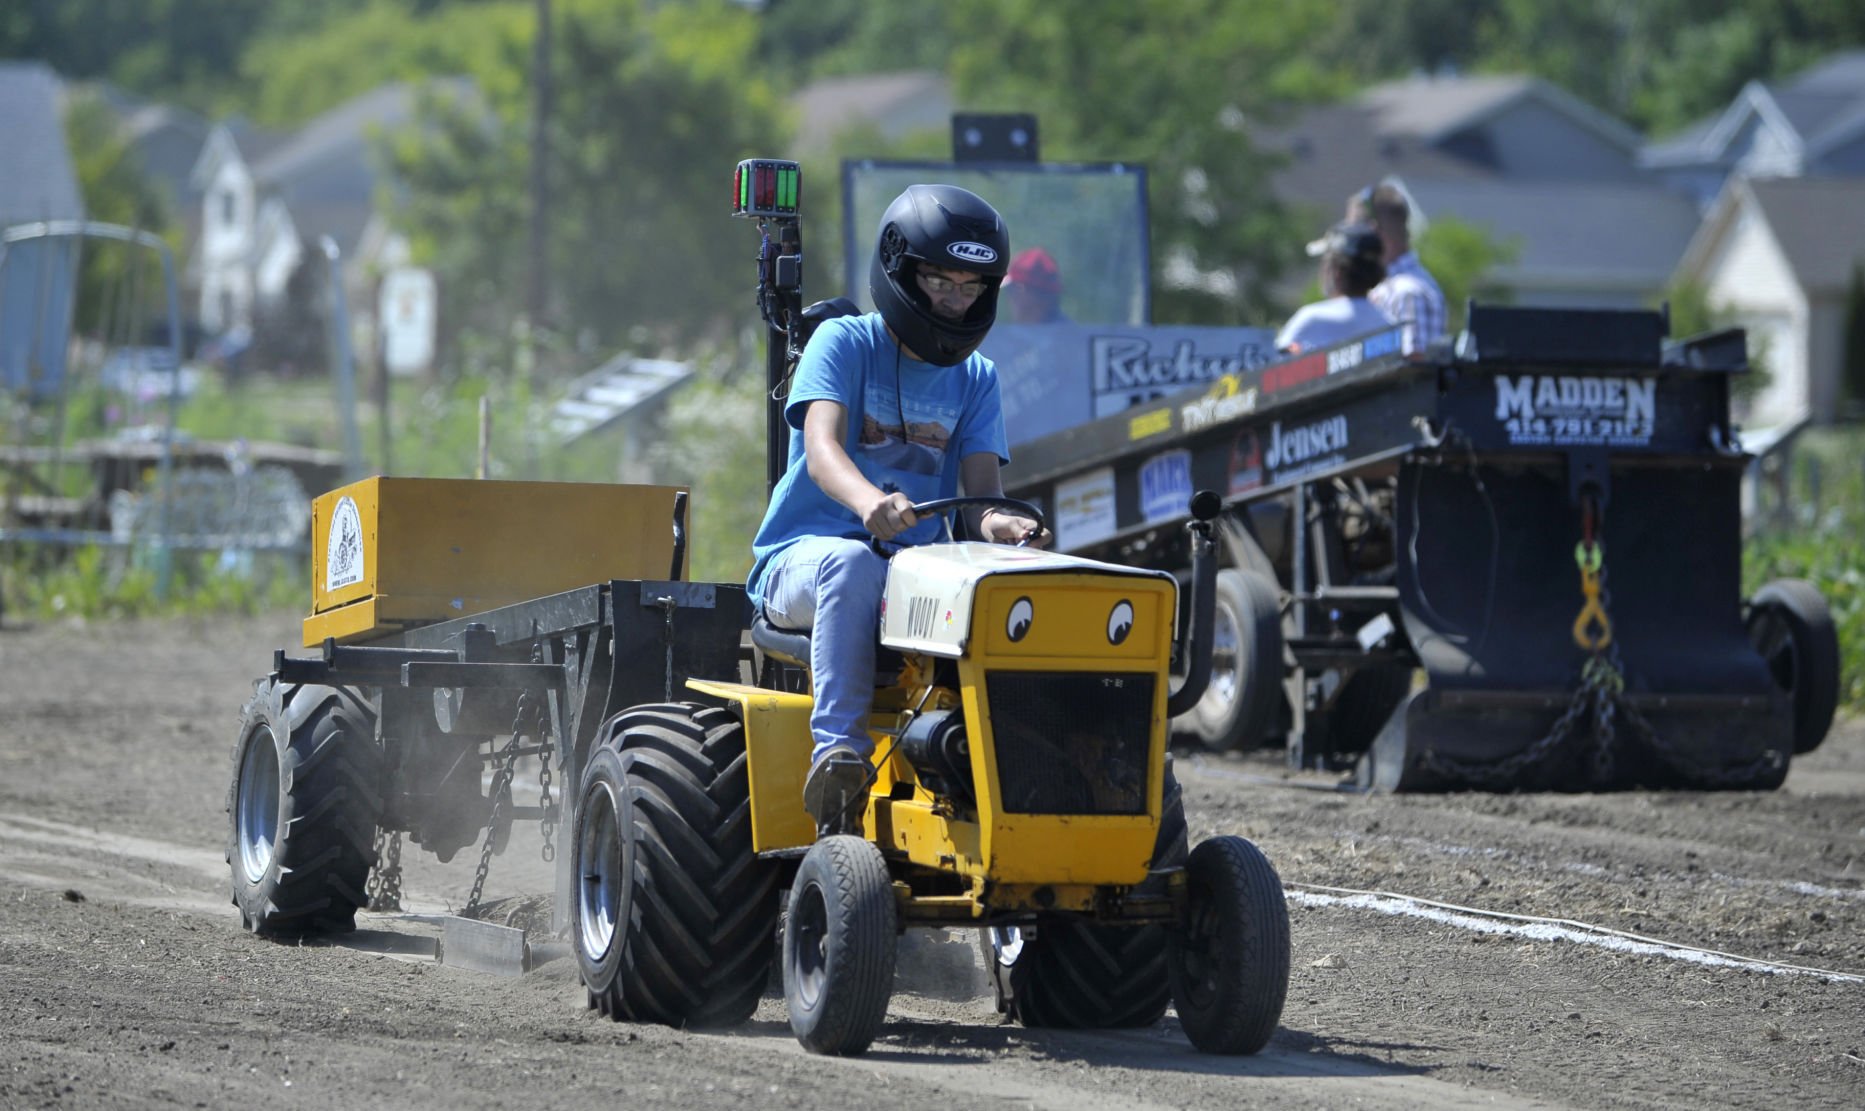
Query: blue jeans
x,y
832,587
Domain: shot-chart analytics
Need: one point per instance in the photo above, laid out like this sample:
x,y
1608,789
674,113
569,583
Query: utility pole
x,y
539,293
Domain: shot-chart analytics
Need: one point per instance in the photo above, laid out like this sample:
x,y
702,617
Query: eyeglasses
x,y
939,286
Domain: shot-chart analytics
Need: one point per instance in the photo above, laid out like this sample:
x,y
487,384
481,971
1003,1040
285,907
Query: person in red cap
x,y
1034,288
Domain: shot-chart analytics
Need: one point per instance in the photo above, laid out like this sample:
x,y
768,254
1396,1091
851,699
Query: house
x,y
1575,244
38,183
270,200
1778,255
1490,129
1812,125
220,267
1539,170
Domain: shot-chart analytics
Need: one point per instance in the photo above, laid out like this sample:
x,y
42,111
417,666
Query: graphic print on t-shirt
x,y
920,447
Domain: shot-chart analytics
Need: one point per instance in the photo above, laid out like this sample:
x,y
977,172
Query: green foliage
x,y
186,50
1172,86
1658,64
1815,537
1693,314
652,107
713,442
1463,257
116,191
112,583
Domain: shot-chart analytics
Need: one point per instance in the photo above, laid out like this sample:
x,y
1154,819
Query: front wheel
x,y
839,946
302,808
1228,962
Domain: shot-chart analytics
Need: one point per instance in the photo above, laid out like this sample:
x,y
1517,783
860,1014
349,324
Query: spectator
x,y
1350,269
1034,288
1409,295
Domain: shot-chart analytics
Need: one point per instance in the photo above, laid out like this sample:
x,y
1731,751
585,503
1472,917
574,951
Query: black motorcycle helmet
x,y
944,226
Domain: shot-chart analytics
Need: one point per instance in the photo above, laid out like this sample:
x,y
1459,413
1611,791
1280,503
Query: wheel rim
x,y
809,926
258,804
1226,660
1006,944
599,860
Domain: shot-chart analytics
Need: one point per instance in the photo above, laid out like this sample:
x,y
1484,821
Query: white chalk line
x,y
1546,929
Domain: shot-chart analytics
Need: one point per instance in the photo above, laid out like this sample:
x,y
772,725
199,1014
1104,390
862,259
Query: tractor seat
x,y
791,647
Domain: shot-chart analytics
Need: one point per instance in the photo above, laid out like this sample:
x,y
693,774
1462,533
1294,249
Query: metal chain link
x,y
547,823
501,786
1503,772
384,886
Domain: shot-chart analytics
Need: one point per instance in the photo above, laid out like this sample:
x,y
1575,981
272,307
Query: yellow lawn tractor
x,y
1020,785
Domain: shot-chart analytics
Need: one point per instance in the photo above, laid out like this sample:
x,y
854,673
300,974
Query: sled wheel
x,y
1240,706
839,944
302,808
1074,974
1790,625
1229,960
673,912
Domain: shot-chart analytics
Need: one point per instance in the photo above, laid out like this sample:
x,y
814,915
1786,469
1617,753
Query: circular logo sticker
x,y
968,251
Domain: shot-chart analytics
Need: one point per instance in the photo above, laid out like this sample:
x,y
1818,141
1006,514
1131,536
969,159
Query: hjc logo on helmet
x,y
968,251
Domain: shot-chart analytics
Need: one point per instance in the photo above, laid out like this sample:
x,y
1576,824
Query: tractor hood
x,y
928,603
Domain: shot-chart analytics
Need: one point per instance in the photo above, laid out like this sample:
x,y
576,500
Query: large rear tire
x,y
1791,626
302,808
1074,974
1240,706
1229,961
839,946
674,912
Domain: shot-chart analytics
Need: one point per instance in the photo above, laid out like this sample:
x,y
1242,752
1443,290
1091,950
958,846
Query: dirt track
x,y
126,980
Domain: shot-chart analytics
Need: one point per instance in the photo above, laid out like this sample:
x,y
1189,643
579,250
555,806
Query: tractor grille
x,y
1071,742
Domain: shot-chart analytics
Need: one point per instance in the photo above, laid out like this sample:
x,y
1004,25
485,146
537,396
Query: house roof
x,y
1626,236
325,172
894,103
1435,108
1809,113
39,182
1816,222
1334,150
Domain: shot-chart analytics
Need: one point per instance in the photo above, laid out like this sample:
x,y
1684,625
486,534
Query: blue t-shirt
x,y
909,424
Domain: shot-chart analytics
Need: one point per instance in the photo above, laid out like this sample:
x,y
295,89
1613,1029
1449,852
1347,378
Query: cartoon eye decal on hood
x,y
1120,622
1022,613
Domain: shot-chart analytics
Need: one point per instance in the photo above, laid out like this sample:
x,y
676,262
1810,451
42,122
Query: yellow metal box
x,y
387,553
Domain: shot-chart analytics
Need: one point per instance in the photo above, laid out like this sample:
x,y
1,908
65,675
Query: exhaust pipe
x,y
1205,507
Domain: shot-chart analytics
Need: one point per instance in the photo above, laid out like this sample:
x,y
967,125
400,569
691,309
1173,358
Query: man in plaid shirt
x,y
1409,295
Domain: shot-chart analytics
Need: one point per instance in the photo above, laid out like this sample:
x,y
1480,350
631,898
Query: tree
x,y
116,191
1463,258
654,105
1176,86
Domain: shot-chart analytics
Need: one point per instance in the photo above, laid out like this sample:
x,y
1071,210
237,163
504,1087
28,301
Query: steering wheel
x,y
942,506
